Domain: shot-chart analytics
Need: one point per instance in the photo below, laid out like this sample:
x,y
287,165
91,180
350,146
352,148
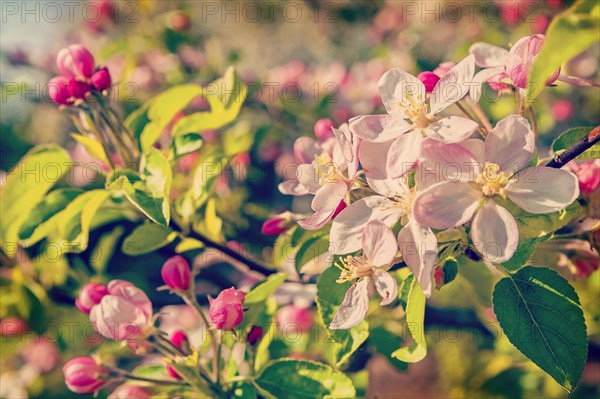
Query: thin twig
x,y
591,139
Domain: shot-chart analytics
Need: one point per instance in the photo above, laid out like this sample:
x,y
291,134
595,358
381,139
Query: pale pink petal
x,y
495,233
305,150
453,86
316,220
445,205
452,129
346,230
404,153
445,162
387,287
397,87
477,148
292,187
373,157
307,176
487,55
510,144
379,128
379,244
353,308
329,196
418,246
542,189
577,81
344,138
479,79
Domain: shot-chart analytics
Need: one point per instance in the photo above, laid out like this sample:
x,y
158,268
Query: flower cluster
x,y
79,76
426,173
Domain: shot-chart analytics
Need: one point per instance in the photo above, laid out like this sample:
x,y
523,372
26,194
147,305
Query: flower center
x,y
416,111
327,171
492,180
354,267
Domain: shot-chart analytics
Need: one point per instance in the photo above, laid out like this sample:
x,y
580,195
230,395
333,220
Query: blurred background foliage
x,y
302,60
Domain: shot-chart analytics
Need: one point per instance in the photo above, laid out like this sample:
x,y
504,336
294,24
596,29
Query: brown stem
x,y
591,139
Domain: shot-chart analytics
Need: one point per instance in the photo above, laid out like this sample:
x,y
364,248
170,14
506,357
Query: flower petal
x,y
451,129
445,205
292,187
346,230
379,128
316,220
396,86
307,176
387,287
495,233
418,246
510,144
305,150
404,153
446,162
353,308
542,189
329,196
373,158
379,244
479,79
344,138
453,86
487,55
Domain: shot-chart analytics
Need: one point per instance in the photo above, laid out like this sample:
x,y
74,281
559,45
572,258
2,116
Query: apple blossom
x,y
323,129
124,314
588,174
90,295
101,79
411,115
84,375
429,79
379,251
483,172
326,170
503,65
42,354
226,310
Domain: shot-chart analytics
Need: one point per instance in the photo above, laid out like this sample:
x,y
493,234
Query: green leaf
x,y
385,343
138,194
330,295
312,251
580,24
415,319
572,136
45,217
288,378
523,253
156,173
225,97
237,138
76,220
26,186
205,177
540,314
162,109
265,289
186,143
147,238
92,146
450,268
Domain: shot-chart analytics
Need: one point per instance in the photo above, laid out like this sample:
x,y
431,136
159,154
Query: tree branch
x,y
591,139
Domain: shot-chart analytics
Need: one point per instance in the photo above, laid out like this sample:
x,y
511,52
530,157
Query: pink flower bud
x,y
588,174
75,61
294,316
124,314
585,266
83,375
342,205
101,80
429,79
274,226
64,91
127,391
90,295
438,277
180,339
12,326
226,310
323,129
176,273
255,335
172,372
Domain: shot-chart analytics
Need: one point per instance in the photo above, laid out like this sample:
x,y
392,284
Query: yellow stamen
x,y
492,180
